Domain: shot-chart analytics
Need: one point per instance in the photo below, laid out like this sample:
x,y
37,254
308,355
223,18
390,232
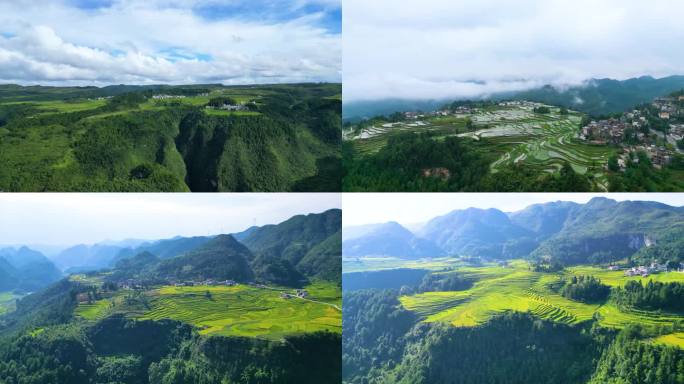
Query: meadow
x,y
497,289
230,311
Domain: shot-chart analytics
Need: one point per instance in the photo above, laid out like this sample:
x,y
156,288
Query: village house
x,y
439,172
164,97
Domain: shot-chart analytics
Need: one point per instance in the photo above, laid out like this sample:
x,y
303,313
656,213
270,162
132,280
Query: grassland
x,y
231,311
512,134
498,289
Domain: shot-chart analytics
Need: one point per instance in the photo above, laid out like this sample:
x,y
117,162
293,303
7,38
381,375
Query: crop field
x,y
247,311
498,289
514,133
239,311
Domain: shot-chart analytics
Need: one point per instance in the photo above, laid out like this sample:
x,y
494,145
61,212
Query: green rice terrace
x,y
240,310
516,287
512,132
169,138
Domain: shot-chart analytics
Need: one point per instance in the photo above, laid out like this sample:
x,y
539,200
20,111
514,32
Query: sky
x,y
76,218
415,208
103,42
436,49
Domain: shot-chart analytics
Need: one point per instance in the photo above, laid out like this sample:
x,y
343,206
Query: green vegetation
x,y
244,311
517,288
384,342
652,296
496,148
7,300
92,139
587,289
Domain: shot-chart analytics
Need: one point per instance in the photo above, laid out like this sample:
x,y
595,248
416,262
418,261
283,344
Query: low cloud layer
x,y
89,42
441,48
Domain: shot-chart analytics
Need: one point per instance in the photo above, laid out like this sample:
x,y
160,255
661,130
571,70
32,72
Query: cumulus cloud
x,y
443,48
168,41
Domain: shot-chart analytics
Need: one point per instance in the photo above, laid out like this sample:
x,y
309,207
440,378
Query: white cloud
x,y
133,41
444,48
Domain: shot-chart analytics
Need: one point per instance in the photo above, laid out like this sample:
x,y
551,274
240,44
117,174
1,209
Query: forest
x,y
286,138
400,166
384,343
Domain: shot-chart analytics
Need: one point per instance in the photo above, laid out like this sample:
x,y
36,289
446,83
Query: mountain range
x,y
601,230
25,269
595,97
291,253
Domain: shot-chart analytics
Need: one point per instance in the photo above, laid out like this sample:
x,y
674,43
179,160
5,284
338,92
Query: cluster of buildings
x,y
669,107
167,97
645,270
209,282
300,293
613,131
229,107
609,131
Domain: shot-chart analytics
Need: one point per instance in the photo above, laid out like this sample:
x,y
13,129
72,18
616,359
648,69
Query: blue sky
x,y
100,42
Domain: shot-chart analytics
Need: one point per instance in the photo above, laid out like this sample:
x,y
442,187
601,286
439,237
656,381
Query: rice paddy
x,y
232,311
498,289
515,134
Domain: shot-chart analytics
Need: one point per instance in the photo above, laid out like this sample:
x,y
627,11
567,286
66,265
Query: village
x,y
647,270
634,132
134,284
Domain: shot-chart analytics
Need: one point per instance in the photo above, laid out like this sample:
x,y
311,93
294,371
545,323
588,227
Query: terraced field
x,y
247,311
516,288
515,133
230,311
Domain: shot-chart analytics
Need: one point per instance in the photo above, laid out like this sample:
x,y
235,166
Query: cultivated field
x,y
497,289
514,133
230,311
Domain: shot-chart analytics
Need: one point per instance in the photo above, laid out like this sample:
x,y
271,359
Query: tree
x,y
613,163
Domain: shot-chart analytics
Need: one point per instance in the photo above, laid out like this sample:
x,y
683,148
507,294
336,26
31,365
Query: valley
x,y
559,291
170,138
204,308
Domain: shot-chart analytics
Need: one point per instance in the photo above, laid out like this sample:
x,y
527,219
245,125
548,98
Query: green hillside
x,y
165,138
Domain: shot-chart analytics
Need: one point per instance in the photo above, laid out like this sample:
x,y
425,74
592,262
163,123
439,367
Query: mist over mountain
x,y
595,97
391,239
602,230
83,256
26,269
